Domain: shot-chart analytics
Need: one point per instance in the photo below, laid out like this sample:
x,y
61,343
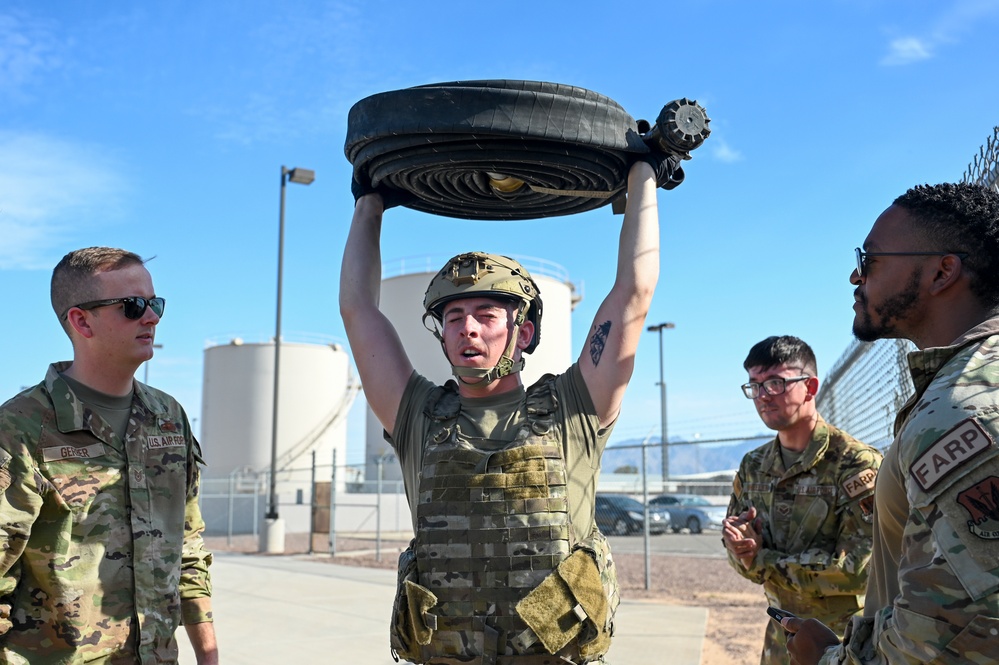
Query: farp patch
x,y
862,482
951,451
982,502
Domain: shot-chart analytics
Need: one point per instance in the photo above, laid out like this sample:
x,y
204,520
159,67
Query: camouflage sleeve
x,y
20,503
737,505
195,579
947,608
838,567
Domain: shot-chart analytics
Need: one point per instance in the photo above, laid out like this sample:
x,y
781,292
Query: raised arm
x,y
608,356
378,352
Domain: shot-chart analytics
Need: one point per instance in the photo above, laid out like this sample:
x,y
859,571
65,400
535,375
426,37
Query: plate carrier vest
x,y
492,526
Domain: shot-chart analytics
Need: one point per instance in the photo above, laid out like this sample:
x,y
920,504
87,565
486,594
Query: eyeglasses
x,y
133,307
776,386
862,257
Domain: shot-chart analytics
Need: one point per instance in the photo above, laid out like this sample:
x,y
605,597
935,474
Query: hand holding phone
x,y
777,614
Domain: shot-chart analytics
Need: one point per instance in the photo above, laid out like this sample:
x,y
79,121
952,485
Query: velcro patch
x,y
53,453
856,485
815,490
167,441
982,502
951,451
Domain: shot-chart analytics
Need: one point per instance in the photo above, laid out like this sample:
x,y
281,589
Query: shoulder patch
x,y
859,483
982,502
948,453
737,487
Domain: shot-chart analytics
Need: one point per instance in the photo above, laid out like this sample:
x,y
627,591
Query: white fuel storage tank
x,y
315,393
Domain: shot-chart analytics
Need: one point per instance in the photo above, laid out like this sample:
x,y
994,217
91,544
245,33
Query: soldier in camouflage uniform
x,y
929,273
101,531
507,566
800,515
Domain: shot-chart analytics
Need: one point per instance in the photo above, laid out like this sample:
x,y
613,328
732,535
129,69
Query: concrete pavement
x,y
299,610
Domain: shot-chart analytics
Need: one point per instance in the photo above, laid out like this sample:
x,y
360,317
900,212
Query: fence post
x,y
645,503
332,546
256,506
378,511
312,502
228,537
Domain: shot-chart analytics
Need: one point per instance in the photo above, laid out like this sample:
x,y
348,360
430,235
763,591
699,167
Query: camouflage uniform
x,y
101,537
502,489
934,590
816,529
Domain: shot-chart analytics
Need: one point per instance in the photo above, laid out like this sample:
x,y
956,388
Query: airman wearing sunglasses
x,y
929,272
801,509
102,555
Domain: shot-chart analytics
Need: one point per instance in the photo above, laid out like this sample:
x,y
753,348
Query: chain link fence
x,y
326,508
984,168
866,388
871,381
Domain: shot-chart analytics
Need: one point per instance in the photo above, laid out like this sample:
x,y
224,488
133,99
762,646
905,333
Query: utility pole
x,y
659,327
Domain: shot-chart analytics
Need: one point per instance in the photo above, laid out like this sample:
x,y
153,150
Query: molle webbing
x,y
491,526
505,660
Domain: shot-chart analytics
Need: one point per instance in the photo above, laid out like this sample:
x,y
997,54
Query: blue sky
x,y
162,127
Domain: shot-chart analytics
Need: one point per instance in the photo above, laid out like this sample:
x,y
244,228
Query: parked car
x,y
690,511
620,515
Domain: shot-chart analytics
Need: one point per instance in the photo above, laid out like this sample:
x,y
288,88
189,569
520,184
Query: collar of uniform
x,y
67,406
924,365
816,447
151,398
69,409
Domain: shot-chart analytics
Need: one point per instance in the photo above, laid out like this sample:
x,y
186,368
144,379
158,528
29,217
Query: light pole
x,y
273,532
659,327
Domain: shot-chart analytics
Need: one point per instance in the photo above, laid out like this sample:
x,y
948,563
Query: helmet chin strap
x,y
506,365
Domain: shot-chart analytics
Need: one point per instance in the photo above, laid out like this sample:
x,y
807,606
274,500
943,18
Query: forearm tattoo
x,y
598,341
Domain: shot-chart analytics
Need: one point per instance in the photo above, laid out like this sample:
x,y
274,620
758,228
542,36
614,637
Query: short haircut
x,y
73,280
961,218
782,350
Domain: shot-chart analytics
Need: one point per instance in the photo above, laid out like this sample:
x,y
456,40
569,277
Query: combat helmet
x,y
477,274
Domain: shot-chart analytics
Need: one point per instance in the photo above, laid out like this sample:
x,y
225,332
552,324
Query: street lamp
x,y
273,528
659,327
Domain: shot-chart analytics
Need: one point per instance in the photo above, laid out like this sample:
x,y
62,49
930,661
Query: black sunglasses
x,y
133,307
862,257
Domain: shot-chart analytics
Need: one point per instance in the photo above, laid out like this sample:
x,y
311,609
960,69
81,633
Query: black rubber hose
x,y
443,142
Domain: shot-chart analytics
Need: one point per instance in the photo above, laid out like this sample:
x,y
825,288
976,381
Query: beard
x,y
890,312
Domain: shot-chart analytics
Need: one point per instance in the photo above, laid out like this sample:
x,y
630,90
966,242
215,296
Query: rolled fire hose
x,y
509,150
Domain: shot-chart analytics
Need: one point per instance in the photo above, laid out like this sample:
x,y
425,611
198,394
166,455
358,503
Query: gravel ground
x,y
736,607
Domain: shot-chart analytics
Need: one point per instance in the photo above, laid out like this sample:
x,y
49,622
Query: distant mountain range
x,y
685,457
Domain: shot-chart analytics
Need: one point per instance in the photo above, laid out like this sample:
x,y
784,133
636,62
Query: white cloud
x,y
905,50
296,89
26,50
48,188
722,151
947,28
